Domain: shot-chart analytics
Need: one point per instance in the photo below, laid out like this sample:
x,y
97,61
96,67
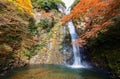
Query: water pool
x,y
54,72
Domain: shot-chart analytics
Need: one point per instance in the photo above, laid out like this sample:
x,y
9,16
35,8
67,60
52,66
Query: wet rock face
x,y
80,25
49,36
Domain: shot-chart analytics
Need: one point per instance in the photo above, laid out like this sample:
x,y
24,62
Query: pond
x,y
54,72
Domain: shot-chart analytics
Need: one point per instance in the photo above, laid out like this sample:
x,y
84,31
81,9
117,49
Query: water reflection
x,y
54,72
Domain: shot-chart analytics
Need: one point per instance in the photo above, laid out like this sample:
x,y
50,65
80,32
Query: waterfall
x,y
77,51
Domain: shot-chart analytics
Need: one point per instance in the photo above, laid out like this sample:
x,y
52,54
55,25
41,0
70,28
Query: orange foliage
x,y
99,11
86,8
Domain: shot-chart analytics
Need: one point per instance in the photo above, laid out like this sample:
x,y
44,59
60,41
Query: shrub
x,y
47,5
46,24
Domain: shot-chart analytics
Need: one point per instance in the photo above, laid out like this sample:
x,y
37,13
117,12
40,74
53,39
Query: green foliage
x,y
27,53
32,51
32,26
46,24
76,1
47,5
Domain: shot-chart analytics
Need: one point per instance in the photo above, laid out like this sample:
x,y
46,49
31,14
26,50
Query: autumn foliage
x,y
23,5
99,13
15,34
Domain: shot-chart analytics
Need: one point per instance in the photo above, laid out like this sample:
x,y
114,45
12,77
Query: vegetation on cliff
x,y
105,49
23,5
97,22
15,35
47,5
96,13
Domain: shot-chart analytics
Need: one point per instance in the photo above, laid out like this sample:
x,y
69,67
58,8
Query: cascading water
x,y
76,49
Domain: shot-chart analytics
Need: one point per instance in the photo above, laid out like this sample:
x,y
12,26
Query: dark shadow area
x,y
105,49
